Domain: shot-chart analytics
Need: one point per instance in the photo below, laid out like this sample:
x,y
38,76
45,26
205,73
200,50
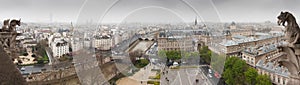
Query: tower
x,y
227,34
51,17
196,21
232,25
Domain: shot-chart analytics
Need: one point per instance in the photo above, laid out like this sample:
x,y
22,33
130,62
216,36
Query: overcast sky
x,y
114,11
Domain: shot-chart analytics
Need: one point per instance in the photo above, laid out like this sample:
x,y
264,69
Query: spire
x,y
196,21
72,28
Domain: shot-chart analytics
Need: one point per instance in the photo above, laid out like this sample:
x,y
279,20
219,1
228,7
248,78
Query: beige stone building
x,y
253,54
264,58
202,36
175,40
102,42
60,47
235,46
244,32
279,75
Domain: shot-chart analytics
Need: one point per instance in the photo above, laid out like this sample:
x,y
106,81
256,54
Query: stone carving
x,y
10,75
13,24
5,25
291,60
9,27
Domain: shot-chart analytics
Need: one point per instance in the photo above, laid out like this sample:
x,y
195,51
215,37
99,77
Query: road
x,y
184,76
212,79
34,68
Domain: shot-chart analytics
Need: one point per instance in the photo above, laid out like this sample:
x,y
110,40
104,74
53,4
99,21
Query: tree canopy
x,y
251,75
263,80
237,72
234,71
172,54
205,54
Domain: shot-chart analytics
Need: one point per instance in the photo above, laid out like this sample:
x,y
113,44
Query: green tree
x,y
229,62
172,54
251,75
234,71
141,63
239,68
205,54
263,80
195,54
40,48
237,72
227,75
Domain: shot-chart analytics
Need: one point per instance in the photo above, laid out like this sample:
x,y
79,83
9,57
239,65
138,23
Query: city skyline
x,y
168,11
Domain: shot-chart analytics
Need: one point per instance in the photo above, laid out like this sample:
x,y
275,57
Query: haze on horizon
x,y
168,11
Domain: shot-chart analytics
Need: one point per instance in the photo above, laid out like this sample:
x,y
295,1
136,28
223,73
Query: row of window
x,y
280,80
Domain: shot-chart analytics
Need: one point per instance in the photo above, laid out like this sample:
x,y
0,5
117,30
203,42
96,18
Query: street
x,y
184,76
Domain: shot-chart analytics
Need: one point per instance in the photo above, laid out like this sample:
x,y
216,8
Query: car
x,y
209,71
209,75
22,69
217,75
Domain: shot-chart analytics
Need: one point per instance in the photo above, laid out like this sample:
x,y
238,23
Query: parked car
x,y
209,75
209,71
217,75
22,69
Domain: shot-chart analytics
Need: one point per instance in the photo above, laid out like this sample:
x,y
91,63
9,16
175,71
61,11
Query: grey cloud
x,y
68,10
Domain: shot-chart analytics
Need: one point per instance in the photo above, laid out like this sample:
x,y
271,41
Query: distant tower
x,y
227,34
51,17
72,28
232,25
196,21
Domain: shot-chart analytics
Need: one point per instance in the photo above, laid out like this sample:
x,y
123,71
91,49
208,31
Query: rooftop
x,y
259,50
272,67
243,39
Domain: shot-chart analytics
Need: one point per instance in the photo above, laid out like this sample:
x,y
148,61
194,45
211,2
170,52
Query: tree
x,y
172,54
251,75
141,63
40,61
205,54
227,75
263,80
135,54
40,48
230,62
237,72
239,68
234,71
